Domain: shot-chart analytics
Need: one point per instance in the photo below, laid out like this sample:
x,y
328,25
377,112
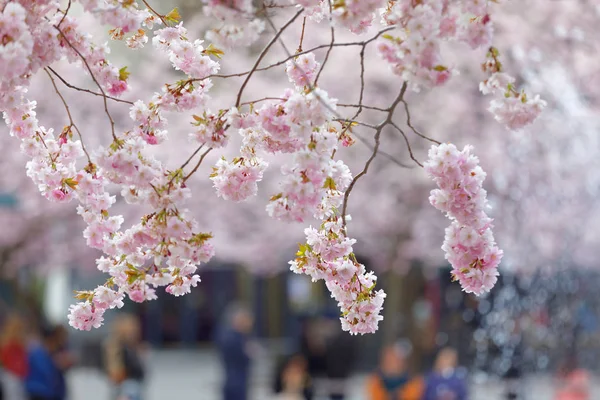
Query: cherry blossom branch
x,y
264,53
301,36
192,172
72,123
65,13
86,90
408,122
407,144
362,106
383,153
104,96
332,29
160,16
261,100
380,127
292,56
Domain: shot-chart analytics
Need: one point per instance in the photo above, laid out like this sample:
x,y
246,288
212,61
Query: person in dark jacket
x,y
445,382
45,379
340,356
233,342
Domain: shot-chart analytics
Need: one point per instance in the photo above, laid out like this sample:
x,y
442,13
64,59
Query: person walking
x,y
445,382
45,376
292,381
392,380
573,381
13,358
234,345
124,358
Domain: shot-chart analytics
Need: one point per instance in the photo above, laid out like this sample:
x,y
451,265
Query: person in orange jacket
x,y
392,381
573,381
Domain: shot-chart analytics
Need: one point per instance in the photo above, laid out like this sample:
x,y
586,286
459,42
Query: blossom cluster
x,y
328,255
166,245
511,108
415,53
126,17
238,24
469,244
313,185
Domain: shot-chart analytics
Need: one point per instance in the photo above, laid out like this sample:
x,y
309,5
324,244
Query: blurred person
x,y
312,346
573,381
392,380
514,352
233,341
445,382
63,356
340,357
13,357
124,358
48,360
292,381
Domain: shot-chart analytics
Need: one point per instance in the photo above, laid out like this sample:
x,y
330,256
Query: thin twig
x,y
413,128
86,90
330,45
363,106
112,122
197,165
162,18
407,144
72,123
260,100
301,36
380,127
383,153
65,13
264,53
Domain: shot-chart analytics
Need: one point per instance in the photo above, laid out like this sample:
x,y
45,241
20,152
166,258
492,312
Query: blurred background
x,y
252,323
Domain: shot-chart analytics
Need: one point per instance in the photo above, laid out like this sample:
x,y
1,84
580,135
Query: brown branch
x,y
65,13
260,100
112,122
86,90
330,45
301,36
380,127
383,153
407,144
162,17
72,123
413,128
264,53
192,172
363,106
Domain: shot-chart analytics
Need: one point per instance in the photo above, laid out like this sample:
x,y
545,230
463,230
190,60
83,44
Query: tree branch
x,y
380,127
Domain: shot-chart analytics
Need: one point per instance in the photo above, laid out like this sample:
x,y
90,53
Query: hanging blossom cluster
x,y
415,53
166,246
512,107
469,242
300,123
328,255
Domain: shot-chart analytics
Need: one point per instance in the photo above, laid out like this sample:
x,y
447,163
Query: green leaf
x,y
329,184
123,74
173,16
276,197
70,182
213,51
